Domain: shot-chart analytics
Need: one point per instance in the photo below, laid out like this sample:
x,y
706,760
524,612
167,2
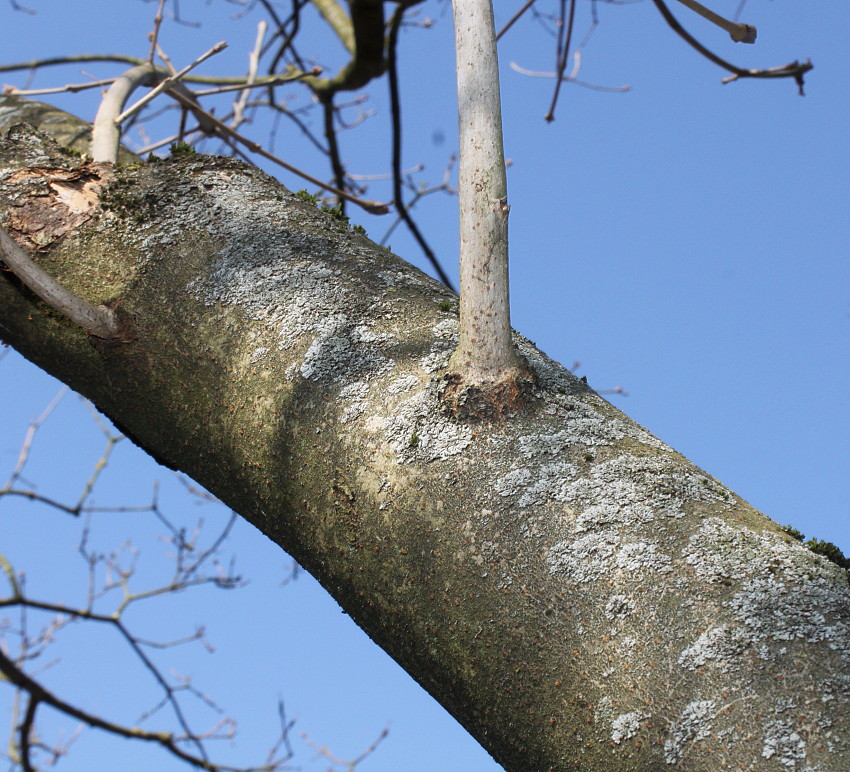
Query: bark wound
x,y
509,392
54,202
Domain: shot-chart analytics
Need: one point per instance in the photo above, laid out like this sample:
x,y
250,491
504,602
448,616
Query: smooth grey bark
x,y
575,592
485,351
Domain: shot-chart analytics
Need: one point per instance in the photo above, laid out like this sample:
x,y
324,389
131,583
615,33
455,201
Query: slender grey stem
x,y
97,320
106,133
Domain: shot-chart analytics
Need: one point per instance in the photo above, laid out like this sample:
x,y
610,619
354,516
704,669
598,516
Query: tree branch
x,y
395,112
106,132
740,33
564,583
96,320
795,70
374,207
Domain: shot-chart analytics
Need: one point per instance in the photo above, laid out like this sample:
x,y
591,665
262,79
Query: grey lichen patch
x,y
619,606
546,483
444,339
353,399
418,430
693,725
340,352
625,726
776,598
642,556
783,743
585,558
719,645
596,554
402,383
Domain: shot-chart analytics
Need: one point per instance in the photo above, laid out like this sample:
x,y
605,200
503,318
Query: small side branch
x,y
106,132
795,70
740,33
96,320
374,207
395,107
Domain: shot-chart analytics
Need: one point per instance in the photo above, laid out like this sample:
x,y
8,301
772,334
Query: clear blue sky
x,y
686,240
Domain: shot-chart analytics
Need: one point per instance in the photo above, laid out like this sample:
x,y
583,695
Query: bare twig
x,y
96,320
395,107
349,764
167,83
106,133
374,207
740,33
16,6
271,80
569,78
563,53
154,35
515,18
795,69
253,64
71,87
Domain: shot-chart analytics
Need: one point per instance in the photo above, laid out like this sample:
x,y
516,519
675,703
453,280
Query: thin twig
x,y
271,80
515,18
154,35
374,207
338,169
569,78
795,69
167,83
253,64
395,108
563,53
740,33
71,87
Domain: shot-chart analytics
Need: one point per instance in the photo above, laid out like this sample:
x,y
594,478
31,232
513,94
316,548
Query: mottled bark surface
x,y
574,591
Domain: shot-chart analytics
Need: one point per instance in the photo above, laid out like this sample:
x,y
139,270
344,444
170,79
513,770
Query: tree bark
x,y
485,354
575,592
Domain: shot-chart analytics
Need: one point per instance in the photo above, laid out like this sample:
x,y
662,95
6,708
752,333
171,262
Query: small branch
x,y
515,18
38,693
167,83
366,47
157,21
395,107
253,65
273,80
339,22
25,730
71,87
333,146
374,207
106,133
563,53
99,321
795,69
740,33
34,64
569,78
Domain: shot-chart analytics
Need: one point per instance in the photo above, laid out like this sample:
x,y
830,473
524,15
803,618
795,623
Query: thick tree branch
x,y
367,60
573,590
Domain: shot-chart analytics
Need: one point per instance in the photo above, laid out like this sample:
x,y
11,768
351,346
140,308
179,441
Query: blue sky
x,y
686,240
